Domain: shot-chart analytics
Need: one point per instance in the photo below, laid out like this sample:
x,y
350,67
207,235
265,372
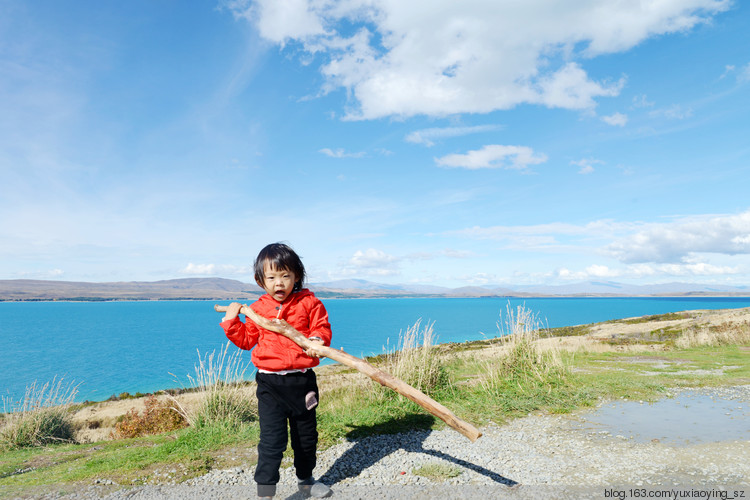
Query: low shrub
x,y
157,417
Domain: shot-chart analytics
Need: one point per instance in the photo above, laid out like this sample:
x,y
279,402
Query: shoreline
x,y
601,330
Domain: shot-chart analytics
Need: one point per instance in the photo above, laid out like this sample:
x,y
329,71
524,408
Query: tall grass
x,y
416,360
524,356
227,397
528,373
41,418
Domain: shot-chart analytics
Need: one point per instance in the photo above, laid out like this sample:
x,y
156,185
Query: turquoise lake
x,y
115,347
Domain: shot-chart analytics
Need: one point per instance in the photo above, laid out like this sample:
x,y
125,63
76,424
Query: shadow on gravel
x,y
368,451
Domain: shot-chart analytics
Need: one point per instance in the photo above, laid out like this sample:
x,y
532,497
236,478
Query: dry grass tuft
x,y
714,335
416,360
224,389
43,417
523,356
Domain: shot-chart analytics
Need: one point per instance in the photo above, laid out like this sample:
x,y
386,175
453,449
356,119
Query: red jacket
x,y
274,352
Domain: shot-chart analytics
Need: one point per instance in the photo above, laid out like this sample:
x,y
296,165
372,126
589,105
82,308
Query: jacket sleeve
x,y
243,335
319,325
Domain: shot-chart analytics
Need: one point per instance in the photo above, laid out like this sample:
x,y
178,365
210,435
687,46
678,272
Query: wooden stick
x,y
363,366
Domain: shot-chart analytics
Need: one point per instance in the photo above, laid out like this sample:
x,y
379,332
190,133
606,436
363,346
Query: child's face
x,y
278,283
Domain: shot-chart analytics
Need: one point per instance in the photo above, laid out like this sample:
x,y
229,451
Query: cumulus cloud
x,y
494,156
282,21
444,57
427,136
678,241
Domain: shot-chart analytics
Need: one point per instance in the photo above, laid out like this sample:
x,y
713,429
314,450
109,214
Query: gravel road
x,y
539,456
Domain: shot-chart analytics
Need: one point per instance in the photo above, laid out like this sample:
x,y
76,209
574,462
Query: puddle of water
x,y
688,418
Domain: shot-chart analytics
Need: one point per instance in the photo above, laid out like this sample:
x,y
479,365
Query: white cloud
x,y
641,101
372,262
448,253
429,135
40,275
678,241
729,68
444,57
616,119
340,153
494,156
674,112
479,279
199,269
586,164
639,271
744,74
548,232
214,270
457,254
283,20
595,271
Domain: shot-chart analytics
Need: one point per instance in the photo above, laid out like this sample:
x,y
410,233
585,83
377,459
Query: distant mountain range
x,y
226,289
187,288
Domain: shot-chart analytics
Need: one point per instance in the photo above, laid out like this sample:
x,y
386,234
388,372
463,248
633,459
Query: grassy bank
x,y
528,370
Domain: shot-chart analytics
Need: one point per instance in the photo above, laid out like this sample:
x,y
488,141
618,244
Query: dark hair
x,y
280,256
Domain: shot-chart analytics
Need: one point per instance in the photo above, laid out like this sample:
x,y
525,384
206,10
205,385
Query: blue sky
x,y
444,143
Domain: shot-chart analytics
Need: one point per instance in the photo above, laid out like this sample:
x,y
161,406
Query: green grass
x,y
437,471
478,390
128,461
652,318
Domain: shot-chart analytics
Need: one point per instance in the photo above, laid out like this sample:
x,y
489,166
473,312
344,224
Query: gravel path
x,y
547,456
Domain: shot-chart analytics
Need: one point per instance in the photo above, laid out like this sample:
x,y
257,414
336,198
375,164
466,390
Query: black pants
x,y
281,401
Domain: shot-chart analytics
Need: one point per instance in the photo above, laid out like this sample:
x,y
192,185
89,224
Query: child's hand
x,y
312,351
233,310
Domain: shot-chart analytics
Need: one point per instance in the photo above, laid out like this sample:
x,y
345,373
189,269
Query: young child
x,y
287,388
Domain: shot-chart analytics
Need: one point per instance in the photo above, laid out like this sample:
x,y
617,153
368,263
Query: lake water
x,y
115,347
